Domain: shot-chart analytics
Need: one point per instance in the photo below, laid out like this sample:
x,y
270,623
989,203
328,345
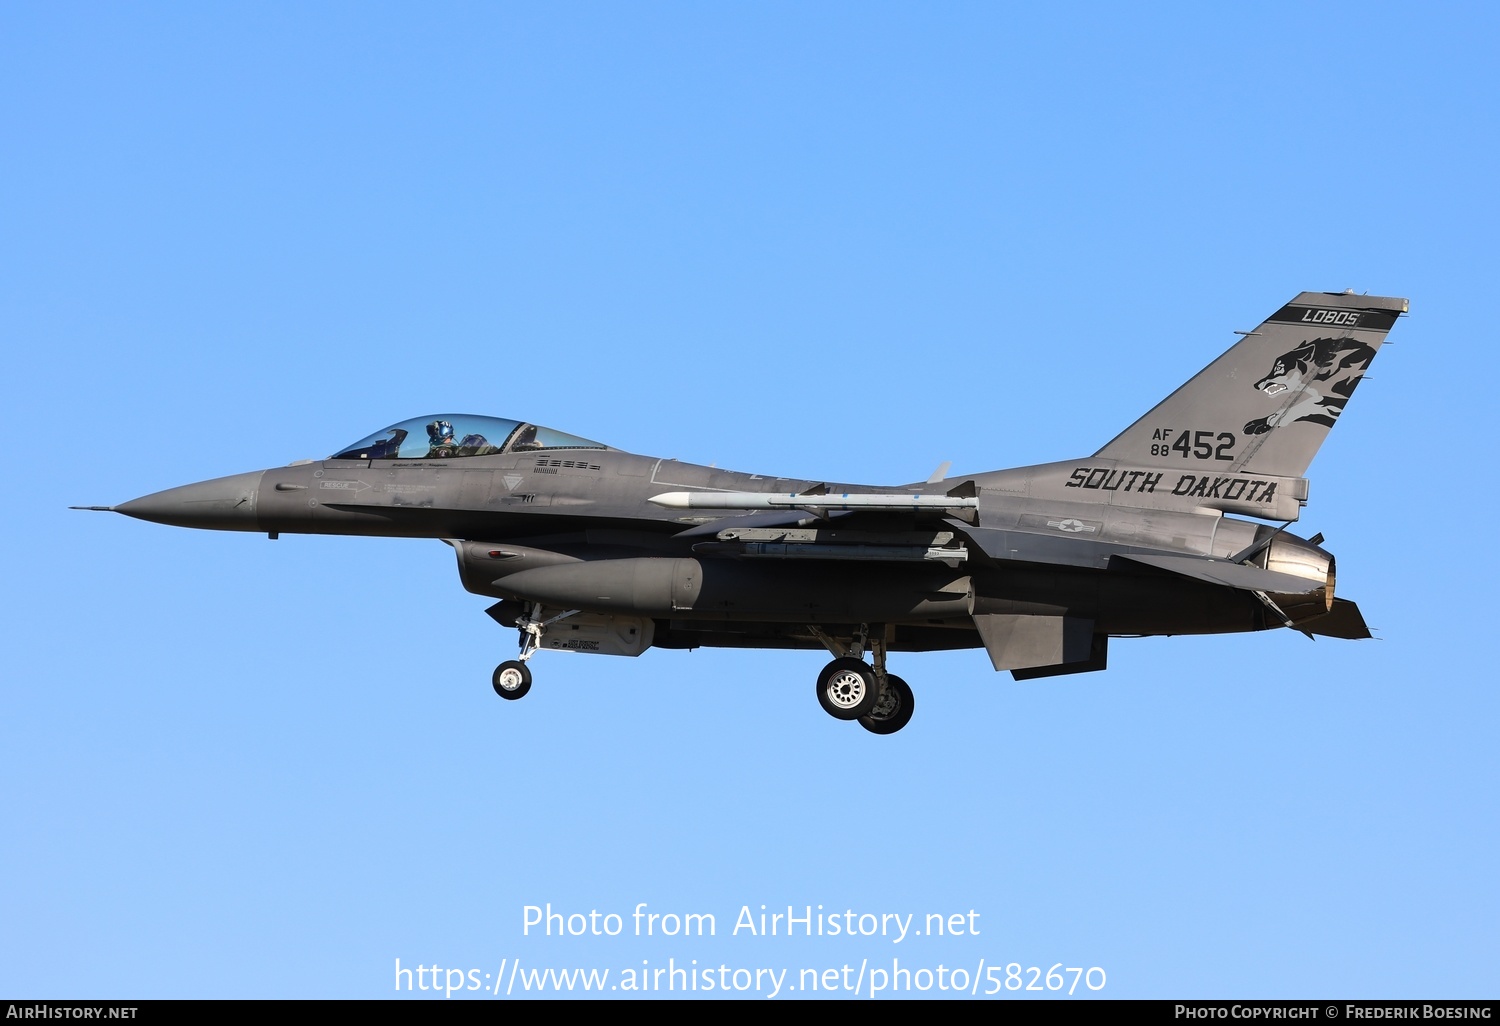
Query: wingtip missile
x,y
795,500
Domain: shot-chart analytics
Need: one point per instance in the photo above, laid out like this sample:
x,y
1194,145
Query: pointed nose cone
x,y
223,504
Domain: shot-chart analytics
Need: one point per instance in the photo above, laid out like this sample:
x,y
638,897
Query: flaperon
x,y
592,549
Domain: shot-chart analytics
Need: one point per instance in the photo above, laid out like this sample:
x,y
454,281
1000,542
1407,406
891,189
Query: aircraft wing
x,y
838,534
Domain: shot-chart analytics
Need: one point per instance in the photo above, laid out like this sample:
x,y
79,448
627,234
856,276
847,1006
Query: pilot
x,y
440,440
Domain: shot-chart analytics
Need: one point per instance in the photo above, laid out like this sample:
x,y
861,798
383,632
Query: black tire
x,y
893,710
847,689
506,677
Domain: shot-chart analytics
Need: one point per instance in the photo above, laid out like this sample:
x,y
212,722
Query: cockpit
x,y
448,436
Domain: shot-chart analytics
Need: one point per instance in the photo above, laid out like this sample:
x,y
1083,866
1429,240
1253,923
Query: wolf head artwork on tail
x,y
1302,372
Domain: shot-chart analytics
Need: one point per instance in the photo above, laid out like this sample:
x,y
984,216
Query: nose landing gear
x,y
512,678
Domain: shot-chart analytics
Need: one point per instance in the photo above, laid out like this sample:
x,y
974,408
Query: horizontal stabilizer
x,y
1343,621
1229,575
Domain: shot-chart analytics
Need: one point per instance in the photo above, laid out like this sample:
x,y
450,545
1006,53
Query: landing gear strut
x,y
851,689
512,678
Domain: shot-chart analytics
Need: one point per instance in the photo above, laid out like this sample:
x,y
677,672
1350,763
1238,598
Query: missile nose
x,y
223,504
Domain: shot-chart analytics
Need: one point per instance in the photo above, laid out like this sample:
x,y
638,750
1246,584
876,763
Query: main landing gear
x,y
512,678
851,689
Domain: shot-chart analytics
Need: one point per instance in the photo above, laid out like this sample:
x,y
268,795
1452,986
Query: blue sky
x,y
832,241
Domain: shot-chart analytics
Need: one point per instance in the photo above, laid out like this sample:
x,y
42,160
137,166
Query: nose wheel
x,y
512,679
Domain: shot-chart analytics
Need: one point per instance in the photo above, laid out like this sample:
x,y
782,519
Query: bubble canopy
x,y
451,435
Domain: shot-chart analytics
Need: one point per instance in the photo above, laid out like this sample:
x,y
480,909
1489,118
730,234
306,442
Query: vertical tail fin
x,y
1267,404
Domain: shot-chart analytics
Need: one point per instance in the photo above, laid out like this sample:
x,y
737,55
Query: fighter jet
x,y
1176,526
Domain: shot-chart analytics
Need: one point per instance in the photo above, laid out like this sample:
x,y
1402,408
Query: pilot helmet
x,y
440,432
